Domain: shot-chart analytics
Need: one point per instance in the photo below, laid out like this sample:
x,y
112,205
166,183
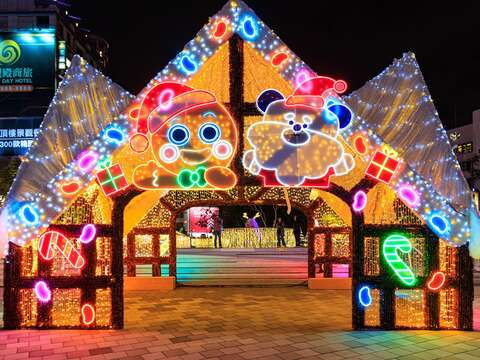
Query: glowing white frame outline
x,y
215,151
163,149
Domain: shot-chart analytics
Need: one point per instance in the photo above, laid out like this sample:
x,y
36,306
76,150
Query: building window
x,y
25,22
3,22
464,148
23,5
43,22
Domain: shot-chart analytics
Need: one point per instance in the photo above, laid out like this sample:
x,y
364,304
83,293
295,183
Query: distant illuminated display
x,y
201,219
464,148
27,60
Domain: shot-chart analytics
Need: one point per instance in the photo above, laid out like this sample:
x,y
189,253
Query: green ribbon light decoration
x,y
187,178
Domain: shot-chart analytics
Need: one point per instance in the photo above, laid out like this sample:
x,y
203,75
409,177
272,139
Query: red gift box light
x,y
112,180
382,167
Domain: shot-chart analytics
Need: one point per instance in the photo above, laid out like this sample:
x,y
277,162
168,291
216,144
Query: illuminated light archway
x,y
390,168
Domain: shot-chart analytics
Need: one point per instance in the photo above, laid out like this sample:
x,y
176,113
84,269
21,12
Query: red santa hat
x,y
162,102
313,92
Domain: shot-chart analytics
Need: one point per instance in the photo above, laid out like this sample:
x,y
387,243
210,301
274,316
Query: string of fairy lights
x,y
432,202
39,209
81,161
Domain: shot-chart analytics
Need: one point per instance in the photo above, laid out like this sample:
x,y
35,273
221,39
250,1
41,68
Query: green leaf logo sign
x,y
9,52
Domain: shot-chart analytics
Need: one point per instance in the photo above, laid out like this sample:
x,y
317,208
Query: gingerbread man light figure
x,y
192,138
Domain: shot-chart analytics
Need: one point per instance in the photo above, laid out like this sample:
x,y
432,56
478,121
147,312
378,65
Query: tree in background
x,y
8,170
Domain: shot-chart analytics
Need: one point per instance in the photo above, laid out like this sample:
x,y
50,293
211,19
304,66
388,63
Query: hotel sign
x,y
27,61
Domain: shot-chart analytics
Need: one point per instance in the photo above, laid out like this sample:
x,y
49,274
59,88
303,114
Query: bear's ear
x,y
344,114
266,97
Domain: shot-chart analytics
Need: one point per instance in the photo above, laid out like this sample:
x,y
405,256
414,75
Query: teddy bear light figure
x,y
296,143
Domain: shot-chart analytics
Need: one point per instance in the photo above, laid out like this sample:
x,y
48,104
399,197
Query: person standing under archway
x,y
217,231
280,233
297,230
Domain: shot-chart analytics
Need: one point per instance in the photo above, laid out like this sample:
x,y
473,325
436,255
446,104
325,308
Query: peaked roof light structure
x,y
397,106
84,104
394,110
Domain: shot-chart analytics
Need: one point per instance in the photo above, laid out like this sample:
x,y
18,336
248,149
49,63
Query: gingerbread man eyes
x,y
178,134
209,133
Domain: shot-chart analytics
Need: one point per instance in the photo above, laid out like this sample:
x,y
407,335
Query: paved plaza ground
x,y
241,323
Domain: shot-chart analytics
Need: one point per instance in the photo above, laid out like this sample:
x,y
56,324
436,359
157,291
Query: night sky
x,y
350,40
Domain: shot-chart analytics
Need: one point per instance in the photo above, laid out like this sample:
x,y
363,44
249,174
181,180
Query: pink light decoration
x,y
42,291
340,86
89,232
359,201
301,80
408,194
87,161
165,99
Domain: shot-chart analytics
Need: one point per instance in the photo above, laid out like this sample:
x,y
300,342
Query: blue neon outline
x,y
206,141
113,140
175,142
251,18
184,69
436,229
211,113
32,210
361,291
